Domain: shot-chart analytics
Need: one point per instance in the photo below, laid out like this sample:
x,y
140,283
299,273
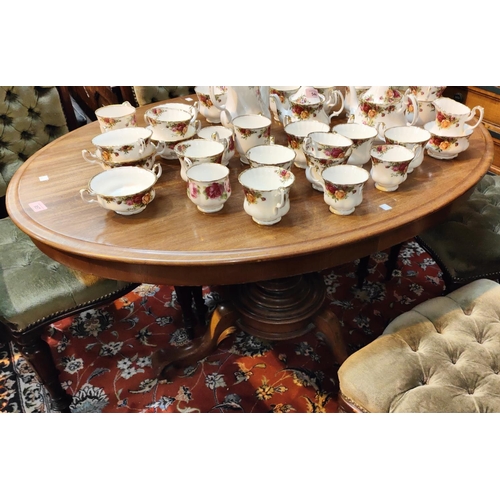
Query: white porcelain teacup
x,y
267,193
452,116
146,161
116,116
446,147
223,135
170,124
390,164
125,144
362,137
297,131
208,186
205,104
328,145
195,151
126,190
249,131
274,155
411,137
343,187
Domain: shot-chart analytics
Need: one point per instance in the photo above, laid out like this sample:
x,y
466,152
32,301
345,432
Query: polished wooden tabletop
x,y
171,242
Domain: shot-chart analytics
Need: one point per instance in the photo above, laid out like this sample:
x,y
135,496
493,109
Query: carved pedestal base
x,y
279,309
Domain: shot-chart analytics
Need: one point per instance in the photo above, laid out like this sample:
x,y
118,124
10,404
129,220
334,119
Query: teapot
x,y
383,107
305,104
242,101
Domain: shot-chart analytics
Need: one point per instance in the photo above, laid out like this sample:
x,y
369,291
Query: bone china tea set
x,y
390,128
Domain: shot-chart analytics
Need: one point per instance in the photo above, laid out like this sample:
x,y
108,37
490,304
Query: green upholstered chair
x,y
467,245
147,95
36,291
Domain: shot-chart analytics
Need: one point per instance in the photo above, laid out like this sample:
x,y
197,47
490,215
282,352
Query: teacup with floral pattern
x,y
208,186
116,116
390,164
169,124
297,131
250,131
126,190
146,161
274,155
362,137
267,193
446,147
223,135
452,116
125,144
343,187
194,151
411,137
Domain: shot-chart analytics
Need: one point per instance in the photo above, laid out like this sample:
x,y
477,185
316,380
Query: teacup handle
x,y
160,148
316,176
338,96
306,144
142,145
86,192
90,157
414,103
197,126
417,149
473,113
282,192
157,170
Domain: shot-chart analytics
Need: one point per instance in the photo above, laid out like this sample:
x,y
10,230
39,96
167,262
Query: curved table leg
x,y
222,324
327,322
280,309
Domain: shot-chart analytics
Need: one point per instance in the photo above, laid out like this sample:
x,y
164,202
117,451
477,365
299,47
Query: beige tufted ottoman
x,y
443,356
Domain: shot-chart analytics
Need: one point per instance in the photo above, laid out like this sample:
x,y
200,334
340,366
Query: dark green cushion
x,y
34,287
467,245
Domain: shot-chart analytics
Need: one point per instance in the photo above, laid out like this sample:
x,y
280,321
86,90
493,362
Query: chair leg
x,y
392,261
37,353
362,270
201,308
185,297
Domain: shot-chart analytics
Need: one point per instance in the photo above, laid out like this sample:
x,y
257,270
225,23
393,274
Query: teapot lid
x,y
382,95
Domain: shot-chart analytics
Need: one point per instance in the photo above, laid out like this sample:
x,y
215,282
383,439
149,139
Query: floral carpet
x,y
104,355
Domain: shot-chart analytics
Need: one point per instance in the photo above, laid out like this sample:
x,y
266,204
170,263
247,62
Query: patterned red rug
x,y
104,355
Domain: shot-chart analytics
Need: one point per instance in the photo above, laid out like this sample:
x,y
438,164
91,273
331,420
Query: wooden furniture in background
x,y
489,99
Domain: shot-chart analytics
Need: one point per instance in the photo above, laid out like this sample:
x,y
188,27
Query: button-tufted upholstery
x,y
443,356
30,118
467,245
36,291
147,95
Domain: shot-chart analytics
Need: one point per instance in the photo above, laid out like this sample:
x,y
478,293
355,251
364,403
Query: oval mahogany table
x,y
271,273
